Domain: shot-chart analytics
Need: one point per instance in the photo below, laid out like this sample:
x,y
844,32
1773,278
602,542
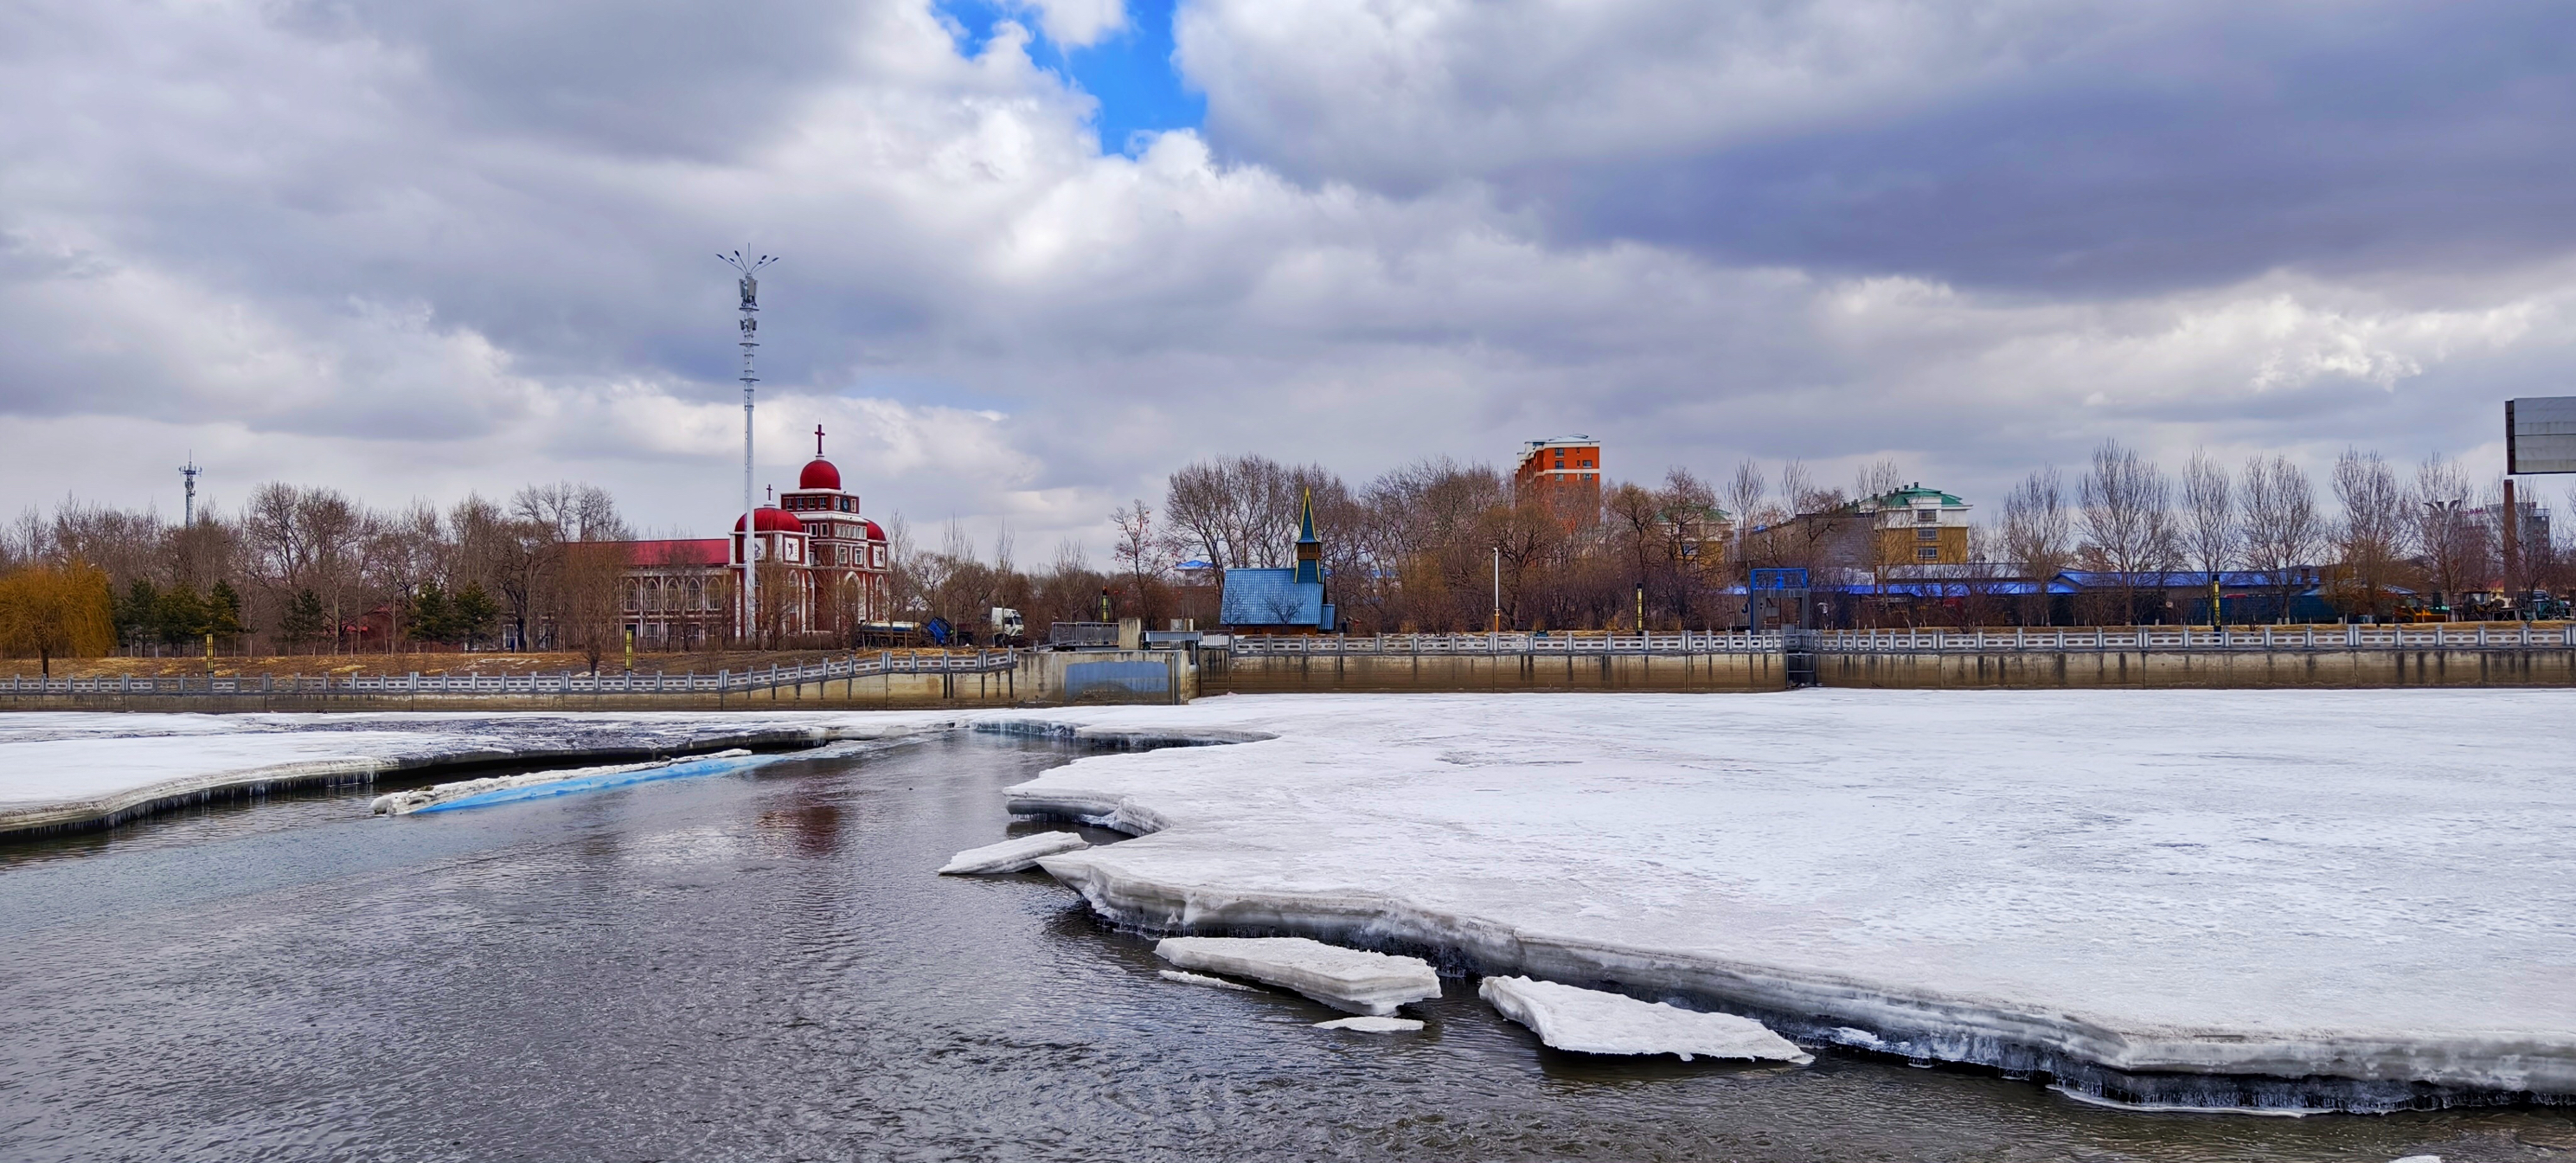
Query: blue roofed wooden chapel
x,y
1281,601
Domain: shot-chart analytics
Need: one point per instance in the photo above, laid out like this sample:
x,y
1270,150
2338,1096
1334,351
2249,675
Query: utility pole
x,y
2512,550
1498,589
749,285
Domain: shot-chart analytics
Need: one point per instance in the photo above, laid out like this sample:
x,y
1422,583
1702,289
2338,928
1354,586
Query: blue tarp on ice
x,y
680,770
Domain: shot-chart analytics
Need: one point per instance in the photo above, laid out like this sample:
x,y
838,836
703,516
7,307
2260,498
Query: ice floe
x,y
1591,1021
484,793
1186,977
1368,1024
1014,855
89,768
1353,980
2314,899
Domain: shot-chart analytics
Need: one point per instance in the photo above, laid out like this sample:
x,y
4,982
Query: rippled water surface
x,y
763,967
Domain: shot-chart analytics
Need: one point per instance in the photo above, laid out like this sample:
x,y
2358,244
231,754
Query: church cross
x,y
818,440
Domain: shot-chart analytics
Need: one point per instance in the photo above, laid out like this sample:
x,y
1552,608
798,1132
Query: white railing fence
x,y
2498,636
564,682
1512,642
2472,636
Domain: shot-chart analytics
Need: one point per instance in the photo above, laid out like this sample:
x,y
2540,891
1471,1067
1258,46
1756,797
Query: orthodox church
x,y
1281,601
820,568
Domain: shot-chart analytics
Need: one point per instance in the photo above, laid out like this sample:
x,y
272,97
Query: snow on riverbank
x,y
71,769
2132,890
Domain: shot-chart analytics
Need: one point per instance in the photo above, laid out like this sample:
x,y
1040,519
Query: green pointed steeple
x,y
1310,548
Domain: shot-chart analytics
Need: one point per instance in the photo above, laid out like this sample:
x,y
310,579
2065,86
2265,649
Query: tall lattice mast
x,y
749,284
188,474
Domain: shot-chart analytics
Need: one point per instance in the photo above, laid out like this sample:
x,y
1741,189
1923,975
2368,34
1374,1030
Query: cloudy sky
x,y
1037,253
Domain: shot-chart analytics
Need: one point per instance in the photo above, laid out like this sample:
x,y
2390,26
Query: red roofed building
x,y
821,567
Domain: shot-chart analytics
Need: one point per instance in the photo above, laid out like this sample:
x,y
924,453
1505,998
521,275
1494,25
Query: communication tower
x,y
188,474
748,283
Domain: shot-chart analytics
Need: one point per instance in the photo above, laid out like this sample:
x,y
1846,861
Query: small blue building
x,y
1281,601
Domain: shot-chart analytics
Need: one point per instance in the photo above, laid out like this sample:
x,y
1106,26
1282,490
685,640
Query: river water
x,y
762,966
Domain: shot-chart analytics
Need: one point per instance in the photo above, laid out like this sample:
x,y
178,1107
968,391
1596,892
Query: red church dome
x,y
875,533
771,519
819,474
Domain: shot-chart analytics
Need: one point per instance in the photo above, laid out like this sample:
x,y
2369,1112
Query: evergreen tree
x,y
473,614
137,613
432,617
224,610
180,617
305,619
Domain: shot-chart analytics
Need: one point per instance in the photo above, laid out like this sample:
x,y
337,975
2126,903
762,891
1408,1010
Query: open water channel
x,y
762,966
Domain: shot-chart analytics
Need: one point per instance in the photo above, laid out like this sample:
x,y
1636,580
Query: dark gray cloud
x,y
419,250
2069,148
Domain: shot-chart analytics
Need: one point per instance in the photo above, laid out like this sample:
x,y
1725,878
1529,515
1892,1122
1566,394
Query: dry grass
x,y
442,662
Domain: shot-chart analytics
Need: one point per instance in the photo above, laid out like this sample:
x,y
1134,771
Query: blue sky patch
x,y
1130,72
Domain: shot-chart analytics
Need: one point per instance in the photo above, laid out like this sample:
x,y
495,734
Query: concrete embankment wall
x,y
1269,674
1929,670
1040,679
2207,669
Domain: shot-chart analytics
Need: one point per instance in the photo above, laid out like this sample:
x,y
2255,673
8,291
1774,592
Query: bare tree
x,y
2371,535
1877,479
2209,530
591,595
310,539
2126,519
1240,511
2283,532
1140,553
2447,533
571,512
573,589
2038,534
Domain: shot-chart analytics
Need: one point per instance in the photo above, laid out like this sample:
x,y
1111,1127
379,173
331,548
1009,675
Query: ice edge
x,y
2221,1072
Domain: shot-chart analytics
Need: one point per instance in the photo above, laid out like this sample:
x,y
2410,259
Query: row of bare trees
x,y
2425,541
1442,546
1435,545
304,569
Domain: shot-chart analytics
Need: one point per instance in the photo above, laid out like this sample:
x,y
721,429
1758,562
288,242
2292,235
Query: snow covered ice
x,y
2318,898
1015,855
484,793
403,803
1352,980
2189,898
1186,977
73,768
1590,1021
1366,1024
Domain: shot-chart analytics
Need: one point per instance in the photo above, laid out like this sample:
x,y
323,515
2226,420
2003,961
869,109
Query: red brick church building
x,y
820,566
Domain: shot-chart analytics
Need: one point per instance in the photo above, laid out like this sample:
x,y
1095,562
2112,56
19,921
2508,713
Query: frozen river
x,y
764,967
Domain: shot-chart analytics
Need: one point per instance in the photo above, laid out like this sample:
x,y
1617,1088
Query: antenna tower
x,y
188,473
749,284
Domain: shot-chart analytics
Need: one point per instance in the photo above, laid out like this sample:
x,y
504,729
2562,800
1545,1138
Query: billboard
x,y
2540,434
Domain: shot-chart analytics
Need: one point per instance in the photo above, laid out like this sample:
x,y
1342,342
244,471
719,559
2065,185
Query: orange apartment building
x,y
1569,462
